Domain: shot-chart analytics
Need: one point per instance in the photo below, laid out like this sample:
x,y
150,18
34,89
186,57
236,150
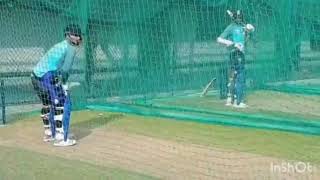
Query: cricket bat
x,y
206,89
66,87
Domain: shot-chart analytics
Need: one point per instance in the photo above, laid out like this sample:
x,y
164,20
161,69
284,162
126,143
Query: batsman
x,y
235,37
49,79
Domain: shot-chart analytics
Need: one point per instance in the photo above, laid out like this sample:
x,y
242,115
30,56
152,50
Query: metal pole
x,y
84,14
3,105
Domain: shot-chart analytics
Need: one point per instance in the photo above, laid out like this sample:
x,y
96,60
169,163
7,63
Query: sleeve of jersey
x,y
226,33
55,57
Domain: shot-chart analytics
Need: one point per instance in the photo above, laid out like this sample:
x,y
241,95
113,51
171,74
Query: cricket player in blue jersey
x,y
234,37
49,79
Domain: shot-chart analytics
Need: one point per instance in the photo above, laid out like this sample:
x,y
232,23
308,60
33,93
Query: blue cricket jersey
x,y
235,33
59,58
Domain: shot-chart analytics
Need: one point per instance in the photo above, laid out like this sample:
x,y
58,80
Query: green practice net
x,y
154,58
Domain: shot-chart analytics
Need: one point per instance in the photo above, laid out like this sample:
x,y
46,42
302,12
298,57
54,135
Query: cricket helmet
x,y
73,29
237,16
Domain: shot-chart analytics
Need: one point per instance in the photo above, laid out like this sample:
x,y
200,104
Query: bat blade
x,y
206,89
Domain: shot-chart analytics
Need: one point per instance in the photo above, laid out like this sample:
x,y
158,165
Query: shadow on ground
x,y
84,128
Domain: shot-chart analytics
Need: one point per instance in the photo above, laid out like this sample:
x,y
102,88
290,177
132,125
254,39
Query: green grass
x,y
18,164
284,145
267,103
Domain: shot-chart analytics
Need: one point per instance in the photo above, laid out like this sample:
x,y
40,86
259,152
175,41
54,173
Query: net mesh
x,y
155,58
137,52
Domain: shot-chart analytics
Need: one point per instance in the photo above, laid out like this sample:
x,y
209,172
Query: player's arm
x,y
249,28
223,38
67,65
224,41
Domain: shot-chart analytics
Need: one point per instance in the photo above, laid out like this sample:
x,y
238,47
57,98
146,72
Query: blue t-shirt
x,y
235,33
59,58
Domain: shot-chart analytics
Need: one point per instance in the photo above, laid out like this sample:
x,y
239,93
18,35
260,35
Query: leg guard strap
x,y
45,116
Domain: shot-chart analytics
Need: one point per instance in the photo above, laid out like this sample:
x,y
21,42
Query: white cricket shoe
x,y
47,135
229,103
62,143
47,132
47,138
59,136
241,105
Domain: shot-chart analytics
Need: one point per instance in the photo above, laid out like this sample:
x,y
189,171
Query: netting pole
x,y
84,11
3,105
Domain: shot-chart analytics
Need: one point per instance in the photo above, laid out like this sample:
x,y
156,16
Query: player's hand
x,y
249,28
65,88
56,101
239,46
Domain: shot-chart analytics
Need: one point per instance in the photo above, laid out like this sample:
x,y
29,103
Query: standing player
x,y
234,37
49,81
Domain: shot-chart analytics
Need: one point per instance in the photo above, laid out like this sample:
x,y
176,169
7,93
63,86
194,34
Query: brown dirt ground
x,y
157,157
